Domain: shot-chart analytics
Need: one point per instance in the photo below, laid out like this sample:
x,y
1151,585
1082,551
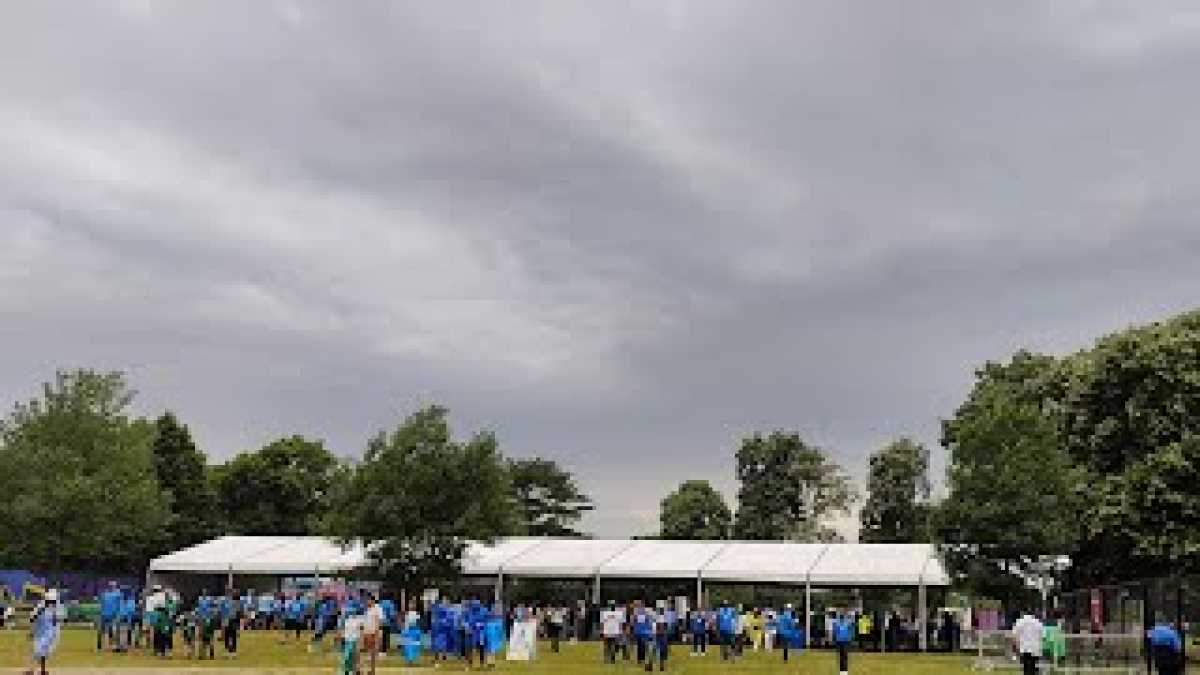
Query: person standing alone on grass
x,y
1027,634
45,631
843,635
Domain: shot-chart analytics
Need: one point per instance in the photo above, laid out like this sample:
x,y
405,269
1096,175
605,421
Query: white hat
x,y
51,595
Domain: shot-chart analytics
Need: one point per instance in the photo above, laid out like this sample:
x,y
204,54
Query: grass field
x,y
262,653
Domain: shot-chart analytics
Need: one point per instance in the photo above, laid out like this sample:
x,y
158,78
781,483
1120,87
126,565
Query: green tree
x,y
1013,491
1130,416
423,495
788,490
548,500
897,486
182,472
284,488
694,511
81,492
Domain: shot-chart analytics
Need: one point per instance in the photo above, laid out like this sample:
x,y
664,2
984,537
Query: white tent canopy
x,y
284,556
820,565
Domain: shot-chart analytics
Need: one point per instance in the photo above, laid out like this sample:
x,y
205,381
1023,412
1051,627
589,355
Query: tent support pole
x,y
922,618
596,590
699,591
500,589
807,614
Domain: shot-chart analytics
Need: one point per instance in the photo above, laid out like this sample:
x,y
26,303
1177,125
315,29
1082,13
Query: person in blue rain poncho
x,y
45,631
494,634
476,633
411,642
789,631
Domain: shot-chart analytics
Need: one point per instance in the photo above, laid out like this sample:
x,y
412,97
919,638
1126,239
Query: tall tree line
x,y
94,488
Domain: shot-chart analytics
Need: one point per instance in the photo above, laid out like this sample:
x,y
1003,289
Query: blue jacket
x,y
110,604
1163,635
643,624
843,630
787,625
699,623
727,620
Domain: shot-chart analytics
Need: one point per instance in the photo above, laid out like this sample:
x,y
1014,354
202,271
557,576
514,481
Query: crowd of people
x,y
362,628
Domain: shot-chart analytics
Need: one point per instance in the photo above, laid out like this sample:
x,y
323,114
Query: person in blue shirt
x,y
293,616
206,624
390,623
727,628
699,628
1166,647
843,635
643,630
411,642
110,612
231,619
126,619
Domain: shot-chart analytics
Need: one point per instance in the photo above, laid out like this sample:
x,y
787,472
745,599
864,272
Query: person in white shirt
x,y
1027,635
612,626
372,624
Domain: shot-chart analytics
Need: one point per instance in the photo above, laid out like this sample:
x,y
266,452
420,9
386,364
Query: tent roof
x,y
651,559
262,555
737,562
767,562
565,558
878,565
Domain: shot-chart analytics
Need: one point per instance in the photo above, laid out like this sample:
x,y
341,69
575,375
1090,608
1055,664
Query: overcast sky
x,y
621,235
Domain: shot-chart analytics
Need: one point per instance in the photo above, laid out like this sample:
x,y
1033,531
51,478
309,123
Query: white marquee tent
x,y
808,565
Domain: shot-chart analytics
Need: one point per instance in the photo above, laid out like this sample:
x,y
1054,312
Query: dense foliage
x,y
897,509
789,490
695,511
423,495
1091,455
548,500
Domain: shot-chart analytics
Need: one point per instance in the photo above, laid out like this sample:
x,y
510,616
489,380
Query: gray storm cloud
x,y
619,234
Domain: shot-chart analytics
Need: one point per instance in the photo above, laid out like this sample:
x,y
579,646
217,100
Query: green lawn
x,y
262,652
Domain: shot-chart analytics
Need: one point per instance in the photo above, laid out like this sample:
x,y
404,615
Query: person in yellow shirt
x,y
754,626
865,624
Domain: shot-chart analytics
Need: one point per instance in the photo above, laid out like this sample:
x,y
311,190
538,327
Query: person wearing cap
x,y
45,631
787,630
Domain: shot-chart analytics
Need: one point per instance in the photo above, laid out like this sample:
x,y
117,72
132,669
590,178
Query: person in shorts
x,y
372,630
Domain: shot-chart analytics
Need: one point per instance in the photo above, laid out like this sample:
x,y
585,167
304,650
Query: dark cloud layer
x,y
619,234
